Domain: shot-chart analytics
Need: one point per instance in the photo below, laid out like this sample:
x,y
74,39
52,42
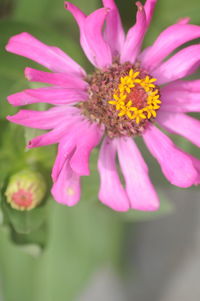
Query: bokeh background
x,y
89,252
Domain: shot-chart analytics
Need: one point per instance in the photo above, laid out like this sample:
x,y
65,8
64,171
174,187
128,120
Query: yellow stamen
x,y
146,83
150,111
126,107
138,116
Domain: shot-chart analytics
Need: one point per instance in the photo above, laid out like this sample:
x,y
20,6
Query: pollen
x,y
136,97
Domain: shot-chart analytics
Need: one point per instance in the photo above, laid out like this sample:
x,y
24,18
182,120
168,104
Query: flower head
x,y
25,190
129,93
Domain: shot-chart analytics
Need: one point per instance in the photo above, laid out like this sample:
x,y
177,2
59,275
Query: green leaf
x,y
32,243
33,250
25,222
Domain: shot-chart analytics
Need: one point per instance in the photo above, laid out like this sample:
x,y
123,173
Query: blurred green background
x,y
56,260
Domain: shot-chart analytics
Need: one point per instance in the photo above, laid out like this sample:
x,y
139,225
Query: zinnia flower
x,y
129,94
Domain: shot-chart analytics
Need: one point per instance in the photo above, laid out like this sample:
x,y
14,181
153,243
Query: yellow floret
x,y
126,107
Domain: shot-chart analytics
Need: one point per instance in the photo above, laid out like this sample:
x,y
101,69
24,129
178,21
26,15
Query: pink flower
x,y
129,94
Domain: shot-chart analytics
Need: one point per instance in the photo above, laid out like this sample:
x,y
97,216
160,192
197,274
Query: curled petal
x,y
66,189
170,39
182,64
134,37
149,10
181,124
78,15
77,143
111,192
139,188
114,32
57,79
175,164
66,148
88,137
80,18
52,95
93,30
52,58
95,47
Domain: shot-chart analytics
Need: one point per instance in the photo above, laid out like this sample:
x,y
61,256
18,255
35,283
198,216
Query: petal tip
x,y
9,118
66,4
27,73
30,144
9,99
113,205
148,207
139,6
183,21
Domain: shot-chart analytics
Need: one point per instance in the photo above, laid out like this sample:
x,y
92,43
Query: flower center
x,y
22,198
124,98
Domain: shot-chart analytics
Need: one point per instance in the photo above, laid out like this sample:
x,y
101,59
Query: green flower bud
x,y
25,190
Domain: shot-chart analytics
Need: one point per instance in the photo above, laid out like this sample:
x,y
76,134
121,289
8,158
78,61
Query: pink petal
x,y
66,148
78,15
181,124
170,39
182,64
55,135
134,37
175,164
111,192
51,137
139,188
183,85
179,101
86,139
57,79
114,33
93,31
52,58
92,42
44,120
52,95
196,163
149,10
183,21
66,189
77,144
80,18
